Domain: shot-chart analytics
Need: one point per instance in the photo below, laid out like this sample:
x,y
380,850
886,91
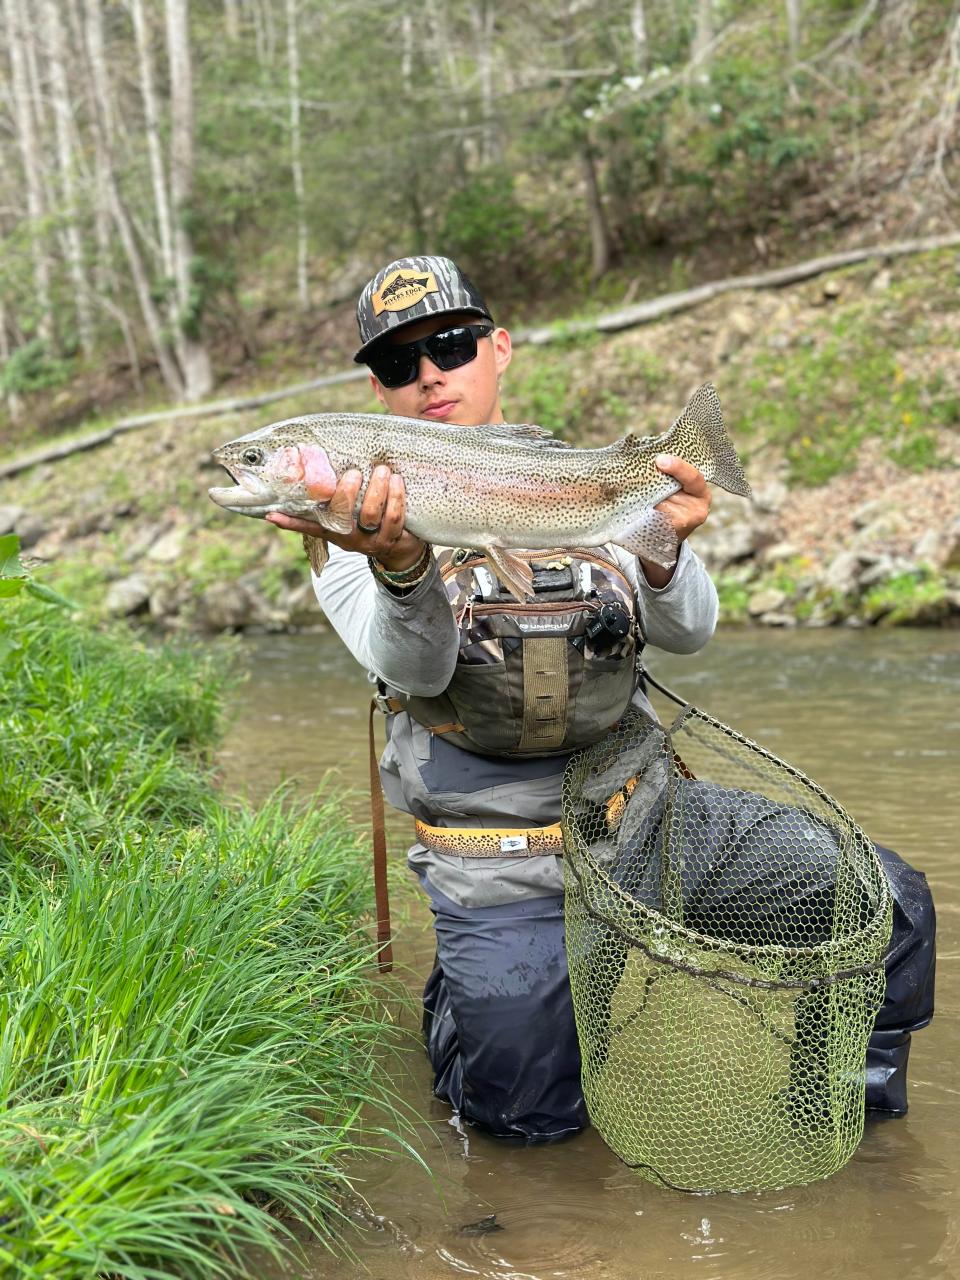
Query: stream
x,y
874,716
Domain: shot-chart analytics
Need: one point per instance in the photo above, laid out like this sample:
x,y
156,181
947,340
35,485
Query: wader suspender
x,y
378,826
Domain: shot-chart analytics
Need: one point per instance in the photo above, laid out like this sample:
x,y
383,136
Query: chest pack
x,y
540,677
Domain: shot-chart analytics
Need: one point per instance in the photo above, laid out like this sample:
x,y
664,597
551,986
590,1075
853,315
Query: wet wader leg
x,y
440,1039
908,1003
498,1019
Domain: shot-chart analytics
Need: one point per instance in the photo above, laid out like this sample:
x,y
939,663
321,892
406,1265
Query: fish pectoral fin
x,y
335,521
317,552
652,537
514,573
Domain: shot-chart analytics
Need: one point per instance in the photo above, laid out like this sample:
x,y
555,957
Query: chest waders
x,y
537,678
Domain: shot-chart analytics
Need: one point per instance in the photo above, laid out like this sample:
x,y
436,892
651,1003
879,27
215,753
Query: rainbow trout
x,y
492,488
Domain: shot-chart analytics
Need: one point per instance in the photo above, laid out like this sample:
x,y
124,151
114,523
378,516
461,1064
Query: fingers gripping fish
x,y
493,488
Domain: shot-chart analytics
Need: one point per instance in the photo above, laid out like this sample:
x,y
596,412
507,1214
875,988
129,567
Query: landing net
x,y
726,923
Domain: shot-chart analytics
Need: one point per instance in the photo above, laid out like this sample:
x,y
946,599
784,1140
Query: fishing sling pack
x,y
538,677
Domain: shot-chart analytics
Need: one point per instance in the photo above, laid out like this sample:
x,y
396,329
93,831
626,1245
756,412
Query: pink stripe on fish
x,y
320,479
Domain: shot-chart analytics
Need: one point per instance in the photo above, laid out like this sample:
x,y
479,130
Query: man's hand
x,y
687,509
383,511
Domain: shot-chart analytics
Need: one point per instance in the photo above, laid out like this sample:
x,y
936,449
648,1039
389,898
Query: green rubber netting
x,y
726,923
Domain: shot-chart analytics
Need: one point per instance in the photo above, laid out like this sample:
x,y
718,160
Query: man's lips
x,y
439,409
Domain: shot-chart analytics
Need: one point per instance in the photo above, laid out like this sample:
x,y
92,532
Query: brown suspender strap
x,y
378,825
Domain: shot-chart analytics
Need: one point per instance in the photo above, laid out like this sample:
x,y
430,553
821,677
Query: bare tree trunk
x,y
483,16
88,44
14,403
264,31
638,30
703,32
103,119
793,30
601,245
191,353
30,158
125,327
296,160
793,41
443,52
231,19
63,115
161,201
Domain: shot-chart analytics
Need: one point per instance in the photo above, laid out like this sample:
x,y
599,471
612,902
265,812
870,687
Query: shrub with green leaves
x,y
31,367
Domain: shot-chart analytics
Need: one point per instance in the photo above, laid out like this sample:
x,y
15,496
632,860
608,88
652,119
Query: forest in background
x,y
190,191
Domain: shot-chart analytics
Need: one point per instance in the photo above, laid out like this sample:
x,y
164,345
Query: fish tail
x,y
721,465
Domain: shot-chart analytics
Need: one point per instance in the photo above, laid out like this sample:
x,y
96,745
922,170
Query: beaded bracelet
x,y
403,578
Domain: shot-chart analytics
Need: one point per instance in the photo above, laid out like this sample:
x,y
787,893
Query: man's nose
x,y
429,375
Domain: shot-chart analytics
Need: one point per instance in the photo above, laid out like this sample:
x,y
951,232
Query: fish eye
x,y
252,457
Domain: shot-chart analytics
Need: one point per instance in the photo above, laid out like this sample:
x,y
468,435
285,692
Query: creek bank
x,y
841,394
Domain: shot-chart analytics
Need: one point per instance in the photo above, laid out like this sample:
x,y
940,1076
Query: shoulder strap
x,y
379,829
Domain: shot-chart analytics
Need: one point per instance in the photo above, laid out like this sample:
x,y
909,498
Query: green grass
x,y
188,1026
905,598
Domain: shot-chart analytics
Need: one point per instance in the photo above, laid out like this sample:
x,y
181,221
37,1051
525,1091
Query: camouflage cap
x,y
410,289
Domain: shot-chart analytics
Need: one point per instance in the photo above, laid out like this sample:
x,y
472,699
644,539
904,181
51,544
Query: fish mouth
x,y
251,494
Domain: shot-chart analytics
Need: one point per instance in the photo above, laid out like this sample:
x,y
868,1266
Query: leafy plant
x,y
14,577
31,367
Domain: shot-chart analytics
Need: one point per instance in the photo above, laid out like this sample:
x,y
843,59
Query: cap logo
x,y
401,290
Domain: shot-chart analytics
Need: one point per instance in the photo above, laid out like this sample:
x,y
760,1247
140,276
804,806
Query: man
x,y
463,754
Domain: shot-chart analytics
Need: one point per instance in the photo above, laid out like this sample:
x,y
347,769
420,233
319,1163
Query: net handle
x,y
669,693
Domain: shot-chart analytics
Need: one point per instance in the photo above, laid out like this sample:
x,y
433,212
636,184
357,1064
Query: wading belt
x,y
492,842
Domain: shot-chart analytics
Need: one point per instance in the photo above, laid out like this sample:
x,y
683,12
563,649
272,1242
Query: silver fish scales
x,y
496,488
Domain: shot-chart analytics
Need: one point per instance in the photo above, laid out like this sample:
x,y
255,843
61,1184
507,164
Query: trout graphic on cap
x,y
409,289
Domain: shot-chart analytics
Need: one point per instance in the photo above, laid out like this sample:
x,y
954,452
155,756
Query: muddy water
x,y
874,717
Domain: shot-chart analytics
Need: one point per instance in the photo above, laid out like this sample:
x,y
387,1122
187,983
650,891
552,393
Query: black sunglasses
x,y
448,349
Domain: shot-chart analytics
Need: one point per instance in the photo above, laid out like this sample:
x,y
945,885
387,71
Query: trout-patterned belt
x,y
492,842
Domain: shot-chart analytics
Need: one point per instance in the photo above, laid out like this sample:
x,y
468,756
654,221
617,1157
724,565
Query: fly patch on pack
x,y
542,676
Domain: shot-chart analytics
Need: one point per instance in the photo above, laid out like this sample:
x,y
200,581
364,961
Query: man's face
x,y
464,397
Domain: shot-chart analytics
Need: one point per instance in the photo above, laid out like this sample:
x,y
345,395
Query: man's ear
x,y
377,389
502,348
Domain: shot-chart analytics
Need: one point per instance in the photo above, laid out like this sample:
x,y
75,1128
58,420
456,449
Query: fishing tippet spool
x,y
609,624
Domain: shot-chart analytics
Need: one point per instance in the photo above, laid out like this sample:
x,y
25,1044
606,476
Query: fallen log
x,y
212,409
608,322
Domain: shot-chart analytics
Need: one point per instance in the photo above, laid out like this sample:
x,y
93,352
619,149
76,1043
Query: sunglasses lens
x,y
449,349
452,348
396,366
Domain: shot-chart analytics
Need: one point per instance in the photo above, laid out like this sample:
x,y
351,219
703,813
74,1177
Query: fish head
x,y
281,467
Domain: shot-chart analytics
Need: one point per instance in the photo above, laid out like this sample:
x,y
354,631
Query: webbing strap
x,y
545,693
379,829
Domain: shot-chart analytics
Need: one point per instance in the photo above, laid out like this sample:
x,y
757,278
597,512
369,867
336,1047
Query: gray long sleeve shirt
x,y
410,642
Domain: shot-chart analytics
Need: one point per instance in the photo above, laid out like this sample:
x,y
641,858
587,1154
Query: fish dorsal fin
x,y
630,443
527,433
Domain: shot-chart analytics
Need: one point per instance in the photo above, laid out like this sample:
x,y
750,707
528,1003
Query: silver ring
x,y
364,528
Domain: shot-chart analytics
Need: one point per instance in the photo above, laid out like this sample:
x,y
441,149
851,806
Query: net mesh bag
x,y
726,923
